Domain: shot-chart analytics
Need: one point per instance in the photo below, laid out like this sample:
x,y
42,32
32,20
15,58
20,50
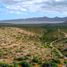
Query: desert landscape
x,y
33,33
33,45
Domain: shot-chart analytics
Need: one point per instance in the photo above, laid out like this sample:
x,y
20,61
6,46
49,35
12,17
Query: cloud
x,y
20,6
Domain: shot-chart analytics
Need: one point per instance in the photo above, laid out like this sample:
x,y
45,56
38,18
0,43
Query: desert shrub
x,y
4,65
46,45
1,52
46,65
19,59
36,60
15,64
54,65
56,61
65,62
11,65
25,64
50,64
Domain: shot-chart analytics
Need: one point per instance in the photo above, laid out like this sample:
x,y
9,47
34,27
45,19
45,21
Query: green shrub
x,y
56,61
54,65
15,64
36,60
4,65
46,65
49,64
1,52
19,58
65,62
25,64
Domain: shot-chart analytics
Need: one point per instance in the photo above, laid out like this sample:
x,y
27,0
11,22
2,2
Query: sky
x,y
18,9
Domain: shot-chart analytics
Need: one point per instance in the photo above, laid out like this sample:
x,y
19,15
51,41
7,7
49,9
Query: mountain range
x,y
36,20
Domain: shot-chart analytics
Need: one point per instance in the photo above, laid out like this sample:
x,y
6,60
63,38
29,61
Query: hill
x,y
33,44
16,42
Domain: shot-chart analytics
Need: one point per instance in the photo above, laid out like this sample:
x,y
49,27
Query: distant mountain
x,y
46,19
65,21
36,20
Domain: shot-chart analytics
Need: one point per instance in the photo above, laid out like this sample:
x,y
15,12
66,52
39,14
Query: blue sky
x,y
16,9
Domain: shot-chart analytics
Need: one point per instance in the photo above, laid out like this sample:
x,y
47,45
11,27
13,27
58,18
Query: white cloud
x,y
57,0
35,5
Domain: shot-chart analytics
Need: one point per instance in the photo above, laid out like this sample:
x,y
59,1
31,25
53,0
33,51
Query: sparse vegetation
x,y
32,46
